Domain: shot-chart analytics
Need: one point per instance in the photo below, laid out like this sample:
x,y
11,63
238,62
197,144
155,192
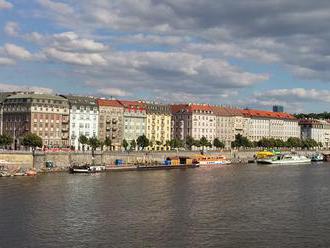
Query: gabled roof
x,y
266,114
189,108
132,104
110,103
225,111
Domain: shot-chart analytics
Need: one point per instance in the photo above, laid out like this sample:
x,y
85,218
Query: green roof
x,y
37,96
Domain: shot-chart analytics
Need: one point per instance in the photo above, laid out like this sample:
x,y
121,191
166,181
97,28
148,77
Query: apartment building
x,y
158,124
43,114
195,120
84,115
318,130
229,123
3,96
111,119
134,119
267,124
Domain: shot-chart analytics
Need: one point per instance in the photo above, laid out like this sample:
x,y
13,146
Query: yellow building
x,y
158,129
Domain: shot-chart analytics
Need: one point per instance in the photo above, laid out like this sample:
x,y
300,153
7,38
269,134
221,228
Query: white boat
x,y
317,157
86,168
287,159
211,160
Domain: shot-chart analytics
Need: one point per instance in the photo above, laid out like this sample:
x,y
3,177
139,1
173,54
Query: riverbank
x,y
62,160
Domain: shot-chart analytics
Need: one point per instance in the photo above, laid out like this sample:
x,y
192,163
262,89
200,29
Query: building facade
x,y
318,130
267,124
3,96
84,116
229,123
42,114
158,125
194,120
111,119
134,120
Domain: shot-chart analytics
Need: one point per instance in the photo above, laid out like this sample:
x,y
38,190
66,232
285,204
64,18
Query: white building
x,y
318,130
83,118
267,124
195,120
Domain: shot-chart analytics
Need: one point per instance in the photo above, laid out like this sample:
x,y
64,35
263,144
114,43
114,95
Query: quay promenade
x,y
62,160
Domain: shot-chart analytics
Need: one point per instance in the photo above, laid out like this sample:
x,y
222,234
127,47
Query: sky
x,y
244,53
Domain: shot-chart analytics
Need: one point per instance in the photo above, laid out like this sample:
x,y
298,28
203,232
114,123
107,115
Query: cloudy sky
x,y
246,53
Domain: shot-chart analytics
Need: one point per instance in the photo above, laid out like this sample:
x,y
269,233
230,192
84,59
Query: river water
x,y
238,206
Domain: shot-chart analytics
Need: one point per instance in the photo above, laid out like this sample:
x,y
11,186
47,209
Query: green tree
x,y
133,144
142,141
32,140
108,142
189,142
294,142
176,143
83,140
203,142
5,140
241,141
218,144
94,143
125,144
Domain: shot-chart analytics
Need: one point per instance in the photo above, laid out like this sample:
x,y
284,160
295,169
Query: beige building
x,y
158,125
229,123
3,96
267,124
42,114
318,130
111,121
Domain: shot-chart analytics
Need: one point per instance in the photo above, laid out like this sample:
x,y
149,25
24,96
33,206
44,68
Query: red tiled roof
x,y
190,107
267,114
111,103
225,111
132,104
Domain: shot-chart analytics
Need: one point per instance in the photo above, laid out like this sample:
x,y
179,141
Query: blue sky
x,y
243,53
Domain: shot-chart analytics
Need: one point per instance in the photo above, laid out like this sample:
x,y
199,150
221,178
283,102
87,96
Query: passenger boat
x,y
265,155
317,157
86,168
211,160
286,159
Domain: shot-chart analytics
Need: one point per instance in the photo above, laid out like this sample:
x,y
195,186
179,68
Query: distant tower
x,y
278,108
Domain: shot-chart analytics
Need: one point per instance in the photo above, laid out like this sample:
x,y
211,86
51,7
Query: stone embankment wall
x,y
64,159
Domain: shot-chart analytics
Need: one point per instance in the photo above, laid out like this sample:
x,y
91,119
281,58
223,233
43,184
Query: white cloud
x,y
57,7
15,51
5,4
11,28
6,61
75,58
15,87
109,91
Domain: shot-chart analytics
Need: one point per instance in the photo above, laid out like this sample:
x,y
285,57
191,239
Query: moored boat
x,y
317,157
211,160
86,168
286,159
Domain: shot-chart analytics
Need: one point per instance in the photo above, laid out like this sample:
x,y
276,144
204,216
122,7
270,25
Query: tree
x,y
241,141
94,143
190,142
294,142
203,142
5,140
158,143
32,140
133,144
108,142
176,143
83,140
125,144
218,144
142,141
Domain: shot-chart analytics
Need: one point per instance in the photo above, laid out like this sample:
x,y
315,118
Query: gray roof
x,y
36,96
80,100
4,95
